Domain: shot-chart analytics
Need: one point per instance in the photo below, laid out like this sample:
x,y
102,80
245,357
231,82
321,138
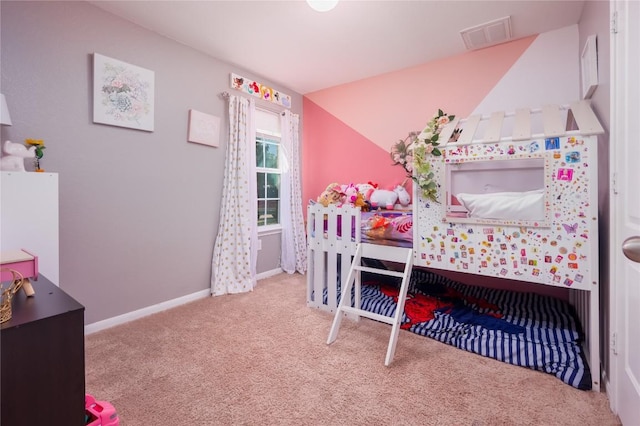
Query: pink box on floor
x,y
99,413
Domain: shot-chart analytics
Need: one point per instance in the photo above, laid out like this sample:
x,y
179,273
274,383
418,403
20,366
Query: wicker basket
x,y
6,294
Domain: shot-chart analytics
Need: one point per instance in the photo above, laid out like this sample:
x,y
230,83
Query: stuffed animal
x,y
332,195
362,203
14,155
350,193
365,188
387,199
354,197
403,195
383,198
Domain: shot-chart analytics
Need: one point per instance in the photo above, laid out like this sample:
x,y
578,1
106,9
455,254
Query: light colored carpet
x,y
261,358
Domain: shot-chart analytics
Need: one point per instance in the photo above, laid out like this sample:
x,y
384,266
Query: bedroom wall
x,y
595,20
139,211
349,129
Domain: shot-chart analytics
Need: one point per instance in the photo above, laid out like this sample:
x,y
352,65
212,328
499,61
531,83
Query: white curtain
x,y
233,267
294,241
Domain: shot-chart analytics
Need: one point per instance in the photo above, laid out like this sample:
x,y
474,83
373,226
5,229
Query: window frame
x,y
272,135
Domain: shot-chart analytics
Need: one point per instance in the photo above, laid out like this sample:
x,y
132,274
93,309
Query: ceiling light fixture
x,y
322,5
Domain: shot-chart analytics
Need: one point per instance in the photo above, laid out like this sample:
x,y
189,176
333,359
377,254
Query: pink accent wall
x,y
340,154
385,107
348,129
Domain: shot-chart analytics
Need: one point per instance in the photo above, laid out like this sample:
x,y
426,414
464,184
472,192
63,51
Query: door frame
x,y
620,129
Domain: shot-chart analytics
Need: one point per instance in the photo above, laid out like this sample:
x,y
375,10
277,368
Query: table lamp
x,y
5,118
13,153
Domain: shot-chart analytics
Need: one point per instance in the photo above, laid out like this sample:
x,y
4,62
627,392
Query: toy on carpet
x,y
99,413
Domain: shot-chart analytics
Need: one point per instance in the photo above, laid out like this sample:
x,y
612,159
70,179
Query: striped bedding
x,y
525,329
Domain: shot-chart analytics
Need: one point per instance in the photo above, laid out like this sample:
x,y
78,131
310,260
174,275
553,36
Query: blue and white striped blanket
x,y
525,329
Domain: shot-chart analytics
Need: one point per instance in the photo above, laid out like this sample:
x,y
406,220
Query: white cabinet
x,y
29,218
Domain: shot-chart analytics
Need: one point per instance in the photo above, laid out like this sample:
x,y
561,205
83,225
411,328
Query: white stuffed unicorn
x,y
14,155
387,199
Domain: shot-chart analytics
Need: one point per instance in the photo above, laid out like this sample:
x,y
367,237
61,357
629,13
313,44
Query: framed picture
x,y
123,94
203,128
589,67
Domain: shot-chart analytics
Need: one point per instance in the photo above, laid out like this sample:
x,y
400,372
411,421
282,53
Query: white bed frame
x,y
434,249
325,251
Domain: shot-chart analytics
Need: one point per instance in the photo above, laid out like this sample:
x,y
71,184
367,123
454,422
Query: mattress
x,y
525,329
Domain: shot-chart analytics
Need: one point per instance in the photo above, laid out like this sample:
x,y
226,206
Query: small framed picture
x,y
204,128
123,94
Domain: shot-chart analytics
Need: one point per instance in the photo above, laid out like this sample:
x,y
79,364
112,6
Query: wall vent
x,y
487,34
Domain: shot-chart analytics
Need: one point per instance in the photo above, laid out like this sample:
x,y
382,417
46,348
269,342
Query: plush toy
x,y
350,193
383,198
387,199
362,203
14,155
403,195
332,195
354,197
365,188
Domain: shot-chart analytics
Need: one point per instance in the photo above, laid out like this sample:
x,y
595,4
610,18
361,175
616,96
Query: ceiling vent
x,y
487,34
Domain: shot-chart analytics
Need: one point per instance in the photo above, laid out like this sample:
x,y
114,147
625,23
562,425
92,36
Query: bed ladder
x,y
384,253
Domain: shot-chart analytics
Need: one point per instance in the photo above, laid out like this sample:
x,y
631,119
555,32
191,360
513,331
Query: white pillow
x,y
527,205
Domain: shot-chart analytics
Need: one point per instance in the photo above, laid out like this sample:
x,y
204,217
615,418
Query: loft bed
x,y
555,246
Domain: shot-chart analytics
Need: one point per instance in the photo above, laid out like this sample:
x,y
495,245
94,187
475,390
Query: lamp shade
x,y
5,118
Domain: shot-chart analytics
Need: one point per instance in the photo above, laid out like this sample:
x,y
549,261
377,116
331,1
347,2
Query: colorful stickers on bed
x,y
562,254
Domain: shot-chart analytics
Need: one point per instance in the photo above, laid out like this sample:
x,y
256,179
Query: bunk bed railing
x,y
331,244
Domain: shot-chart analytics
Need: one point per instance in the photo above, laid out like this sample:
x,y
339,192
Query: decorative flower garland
x,y
412,152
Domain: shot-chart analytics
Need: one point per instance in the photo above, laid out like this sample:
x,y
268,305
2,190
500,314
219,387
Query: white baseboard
x,y
140,313
267,274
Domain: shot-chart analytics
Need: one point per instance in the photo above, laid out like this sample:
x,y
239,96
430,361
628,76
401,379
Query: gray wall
x,y
139,210
595,20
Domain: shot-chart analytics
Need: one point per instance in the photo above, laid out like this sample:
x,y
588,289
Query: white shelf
x,y
29,218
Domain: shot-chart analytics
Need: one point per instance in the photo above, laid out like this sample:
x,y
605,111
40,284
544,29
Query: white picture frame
x,y
123,94
203,128
589,67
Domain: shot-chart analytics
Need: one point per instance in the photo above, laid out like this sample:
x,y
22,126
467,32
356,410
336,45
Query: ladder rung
x,y
379,271
367,314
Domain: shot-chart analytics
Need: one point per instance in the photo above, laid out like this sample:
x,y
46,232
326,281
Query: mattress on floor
x,y
526,329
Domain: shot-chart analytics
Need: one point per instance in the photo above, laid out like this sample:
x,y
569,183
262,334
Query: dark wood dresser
x,y
42,359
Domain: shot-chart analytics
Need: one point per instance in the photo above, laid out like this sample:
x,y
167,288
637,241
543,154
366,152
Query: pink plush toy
x,y
350,193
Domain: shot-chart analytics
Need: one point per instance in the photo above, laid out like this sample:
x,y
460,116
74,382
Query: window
x,y
268,167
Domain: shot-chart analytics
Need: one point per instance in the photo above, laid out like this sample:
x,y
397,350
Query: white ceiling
x,y
292,45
